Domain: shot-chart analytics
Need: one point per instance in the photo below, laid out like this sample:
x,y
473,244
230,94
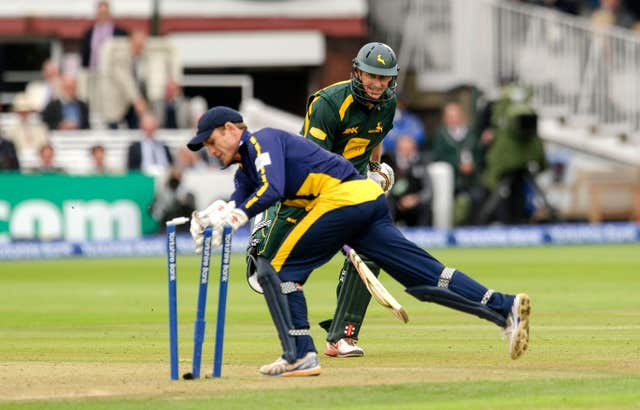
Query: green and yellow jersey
x,y
337,122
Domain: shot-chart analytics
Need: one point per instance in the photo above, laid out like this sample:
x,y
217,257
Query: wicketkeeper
x,y
342,208
349,118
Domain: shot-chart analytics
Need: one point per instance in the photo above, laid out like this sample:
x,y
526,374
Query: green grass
x,y
92,334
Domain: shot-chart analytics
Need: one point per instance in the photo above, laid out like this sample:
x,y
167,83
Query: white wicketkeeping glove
x,y
382,174
228,215
200,220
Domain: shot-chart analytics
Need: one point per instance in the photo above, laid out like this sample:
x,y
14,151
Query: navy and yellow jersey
x,y
337,122
279,166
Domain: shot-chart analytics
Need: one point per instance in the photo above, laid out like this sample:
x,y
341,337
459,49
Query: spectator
x,y
29,133
197,107
189,160
94,38
404,123
98,160
41,92
173,110
148,153
47,160
8,156
67,112
612,12
410,196
125,69
457,144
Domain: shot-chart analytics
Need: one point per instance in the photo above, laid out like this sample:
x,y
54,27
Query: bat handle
x,y
346,249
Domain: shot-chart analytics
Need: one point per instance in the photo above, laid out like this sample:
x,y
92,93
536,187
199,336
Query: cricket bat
x,y
375,287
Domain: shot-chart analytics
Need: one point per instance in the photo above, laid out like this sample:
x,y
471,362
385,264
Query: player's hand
x,y
200,220
196,229
382,174
228,215
236,218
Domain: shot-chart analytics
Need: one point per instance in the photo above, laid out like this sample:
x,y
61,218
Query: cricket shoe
x,y
517,328
305,366
345,347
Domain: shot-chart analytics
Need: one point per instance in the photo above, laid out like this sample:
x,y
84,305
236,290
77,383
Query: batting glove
x,y
382,174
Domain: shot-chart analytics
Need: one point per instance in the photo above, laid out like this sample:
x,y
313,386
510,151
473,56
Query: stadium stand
x,y
72,147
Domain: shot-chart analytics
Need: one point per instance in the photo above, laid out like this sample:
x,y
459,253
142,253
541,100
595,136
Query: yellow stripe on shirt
x,y
345,104
263,175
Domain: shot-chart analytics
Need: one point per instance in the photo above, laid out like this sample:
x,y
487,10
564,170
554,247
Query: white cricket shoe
x,y
345,347
306,366
517,328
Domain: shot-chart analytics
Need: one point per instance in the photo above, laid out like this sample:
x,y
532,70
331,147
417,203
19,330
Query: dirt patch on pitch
x,y
28,381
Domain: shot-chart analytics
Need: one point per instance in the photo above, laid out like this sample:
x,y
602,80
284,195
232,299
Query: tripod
x,y
508,199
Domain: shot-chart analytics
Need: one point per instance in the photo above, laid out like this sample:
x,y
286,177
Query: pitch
x,y
93,334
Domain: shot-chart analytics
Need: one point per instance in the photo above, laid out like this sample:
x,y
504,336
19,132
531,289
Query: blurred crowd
x,y
122,80
126,80
603,13
118,80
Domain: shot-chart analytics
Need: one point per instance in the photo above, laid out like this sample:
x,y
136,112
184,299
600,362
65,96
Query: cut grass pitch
x,y
93,334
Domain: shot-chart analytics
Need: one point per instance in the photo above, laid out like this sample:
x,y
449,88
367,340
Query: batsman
x,y
349,118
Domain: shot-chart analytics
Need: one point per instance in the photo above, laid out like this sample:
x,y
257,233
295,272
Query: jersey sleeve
x,y
321,122
243,187
269,162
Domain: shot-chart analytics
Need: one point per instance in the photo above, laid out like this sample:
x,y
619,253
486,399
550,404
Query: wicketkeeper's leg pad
x,y
445,297
278,307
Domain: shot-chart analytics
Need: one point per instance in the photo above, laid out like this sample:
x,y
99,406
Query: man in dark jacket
x,y
102,30
67,112
148,153
8,156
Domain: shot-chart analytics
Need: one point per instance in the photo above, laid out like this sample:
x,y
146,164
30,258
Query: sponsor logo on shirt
x,y
351,130
378,129
263,160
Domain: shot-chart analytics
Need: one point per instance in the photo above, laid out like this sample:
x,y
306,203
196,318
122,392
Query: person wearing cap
x,y
350,118
29,133
342,207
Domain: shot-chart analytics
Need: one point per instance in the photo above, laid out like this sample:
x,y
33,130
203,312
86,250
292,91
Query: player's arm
x,y
243,187
248,198
321,122
267,156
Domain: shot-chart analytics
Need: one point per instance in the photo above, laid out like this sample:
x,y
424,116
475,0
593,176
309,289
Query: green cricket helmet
x,y
378,59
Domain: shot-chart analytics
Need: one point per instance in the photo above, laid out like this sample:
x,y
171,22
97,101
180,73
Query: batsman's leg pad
x,y
278,307
326,324
353,300
446,297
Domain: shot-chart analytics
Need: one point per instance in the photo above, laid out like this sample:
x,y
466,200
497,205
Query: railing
x,y
576,70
